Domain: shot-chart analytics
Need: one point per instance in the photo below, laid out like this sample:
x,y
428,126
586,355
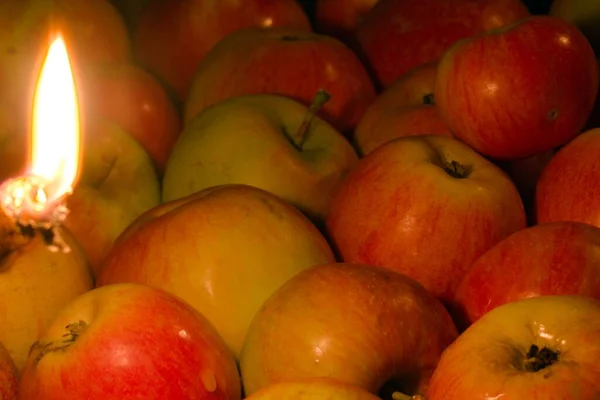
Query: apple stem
x,y
429,99
318,102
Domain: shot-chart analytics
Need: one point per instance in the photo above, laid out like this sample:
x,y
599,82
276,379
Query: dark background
x,y
535,6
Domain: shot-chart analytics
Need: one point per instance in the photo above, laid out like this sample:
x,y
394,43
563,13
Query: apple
x,y
569,184
405,108
312,389
396,36
173,37
359,324
520,90
553,258
538,348
131,10
341,18
9,379
266,145
288,62
35,284
224,251
427,206
585,14
117,184
525,173
134,100
128,340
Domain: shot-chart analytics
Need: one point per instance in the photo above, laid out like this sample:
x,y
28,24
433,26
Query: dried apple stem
x,y
318,102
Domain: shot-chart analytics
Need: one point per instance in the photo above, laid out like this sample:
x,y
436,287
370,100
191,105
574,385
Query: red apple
x,y
9,380
134,100
287,62
359,324
569,186
397,36
538,348
403,109
427,206
548,259
525,173
518,91
129,340
341,18
173,37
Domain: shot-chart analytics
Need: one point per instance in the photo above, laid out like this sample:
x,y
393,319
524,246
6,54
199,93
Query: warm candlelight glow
x,y
55,134
38,197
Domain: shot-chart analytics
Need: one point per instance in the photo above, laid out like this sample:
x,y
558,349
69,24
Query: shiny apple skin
x,y
520,90
486,361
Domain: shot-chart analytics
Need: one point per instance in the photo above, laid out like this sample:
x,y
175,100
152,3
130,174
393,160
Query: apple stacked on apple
x,y
223,250
9,380
172,37
403,109
285,61
538,348
520,90
397,36
359,324
555,258
427,206
133,99
129,341
568,187
272,143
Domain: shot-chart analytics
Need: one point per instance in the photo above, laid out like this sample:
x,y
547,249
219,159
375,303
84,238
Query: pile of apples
x,y
376,199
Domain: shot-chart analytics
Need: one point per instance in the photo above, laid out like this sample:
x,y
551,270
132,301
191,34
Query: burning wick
x,y
36,201
25,200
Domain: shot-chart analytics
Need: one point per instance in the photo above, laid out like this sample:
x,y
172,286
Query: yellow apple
x,y
312,389
35,284
118,183
224,250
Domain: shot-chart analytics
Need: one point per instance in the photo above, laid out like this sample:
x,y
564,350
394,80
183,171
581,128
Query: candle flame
x,y
55,133
37,198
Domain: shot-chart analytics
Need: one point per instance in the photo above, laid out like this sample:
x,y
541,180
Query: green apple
x,y
262,140
118,183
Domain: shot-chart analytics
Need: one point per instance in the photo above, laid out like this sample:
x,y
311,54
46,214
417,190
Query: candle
x,y
35,202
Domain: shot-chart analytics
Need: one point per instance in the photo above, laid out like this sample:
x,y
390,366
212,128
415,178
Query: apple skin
x,y
288,62
9,380
402,109
397,36
347,322
584,14
35,284
117,184
224,251
487,360
569,185
341,18
173,37
555,258
485,86
134,100
400,208
138,340
312,389
256,148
